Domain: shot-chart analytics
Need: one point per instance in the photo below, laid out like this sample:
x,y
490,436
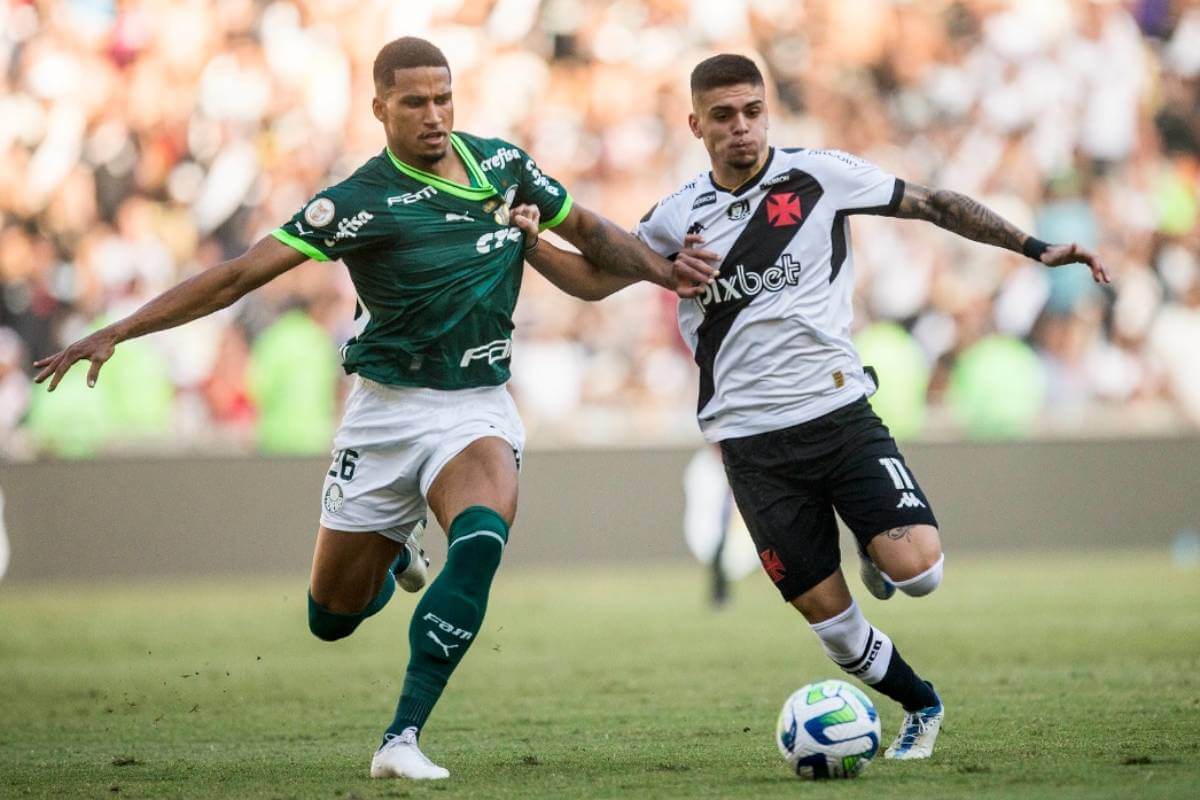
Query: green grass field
x,y
1063,677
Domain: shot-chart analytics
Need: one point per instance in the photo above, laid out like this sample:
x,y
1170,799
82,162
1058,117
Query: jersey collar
x,y
750,182
480,189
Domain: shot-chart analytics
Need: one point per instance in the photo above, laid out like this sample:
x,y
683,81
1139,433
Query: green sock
x,y
331,626
450,614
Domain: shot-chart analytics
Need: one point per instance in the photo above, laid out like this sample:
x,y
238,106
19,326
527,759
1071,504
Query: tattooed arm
x,y
612,250
971,219
579,276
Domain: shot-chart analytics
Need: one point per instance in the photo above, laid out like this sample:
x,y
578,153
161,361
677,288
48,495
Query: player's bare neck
x,y
449,165
731,178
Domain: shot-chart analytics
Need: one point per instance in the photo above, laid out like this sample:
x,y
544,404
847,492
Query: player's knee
x,y
329,626
926,580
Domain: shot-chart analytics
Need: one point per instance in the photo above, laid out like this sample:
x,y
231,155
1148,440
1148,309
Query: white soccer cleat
x,y
874,579
399,757
413,577
917,734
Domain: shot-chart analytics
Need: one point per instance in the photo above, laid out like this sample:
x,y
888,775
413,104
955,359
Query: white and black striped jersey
x,y
772,334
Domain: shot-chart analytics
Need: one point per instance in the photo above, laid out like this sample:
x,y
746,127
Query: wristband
x,y
533,246
1033,248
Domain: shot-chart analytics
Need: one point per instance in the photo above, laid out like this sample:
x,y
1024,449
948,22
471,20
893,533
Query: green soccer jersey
x,y
436,265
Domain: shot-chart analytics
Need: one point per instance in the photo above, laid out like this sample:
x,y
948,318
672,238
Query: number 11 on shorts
x,y
897,472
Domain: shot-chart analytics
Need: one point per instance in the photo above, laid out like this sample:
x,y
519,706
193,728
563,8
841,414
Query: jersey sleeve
x,y
536,187
661,230
857,186
333,224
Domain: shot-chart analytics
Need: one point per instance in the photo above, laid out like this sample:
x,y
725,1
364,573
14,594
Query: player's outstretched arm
x,y
199,295
578,276
969,218
619,252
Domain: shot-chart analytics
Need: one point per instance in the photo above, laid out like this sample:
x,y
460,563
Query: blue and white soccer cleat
x,y
917,734
873,578
413,577
400,757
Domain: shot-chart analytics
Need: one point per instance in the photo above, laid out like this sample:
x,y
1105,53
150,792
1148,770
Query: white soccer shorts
x,y
393,442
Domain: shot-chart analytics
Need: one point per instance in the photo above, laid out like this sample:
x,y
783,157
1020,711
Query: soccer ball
x,y
828,729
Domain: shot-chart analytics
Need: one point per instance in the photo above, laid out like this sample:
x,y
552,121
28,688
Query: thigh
x,y
484,473
874,491
373,482
478,456
789,518
349,568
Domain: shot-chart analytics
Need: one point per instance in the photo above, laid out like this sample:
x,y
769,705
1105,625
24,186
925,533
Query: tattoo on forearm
x,y
903,532
960,214
617,252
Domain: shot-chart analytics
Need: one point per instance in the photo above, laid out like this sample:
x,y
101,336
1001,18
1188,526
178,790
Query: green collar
x,y
480,188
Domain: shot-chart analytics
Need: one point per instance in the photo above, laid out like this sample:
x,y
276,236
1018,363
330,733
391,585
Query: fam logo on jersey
x,y
783,209
738,210
334,499
773,564
742,283
492,352
348,227
319,213
411,197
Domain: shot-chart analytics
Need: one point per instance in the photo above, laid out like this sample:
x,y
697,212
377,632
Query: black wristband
x,y
1033,248
532,247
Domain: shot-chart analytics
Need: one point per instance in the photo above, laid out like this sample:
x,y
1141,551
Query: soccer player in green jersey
x,y
425,230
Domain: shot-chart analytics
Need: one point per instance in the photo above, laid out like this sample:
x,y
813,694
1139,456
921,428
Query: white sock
x,y
855,645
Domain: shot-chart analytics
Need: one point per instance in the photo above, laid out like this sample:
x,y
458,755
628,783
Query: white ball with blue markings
x,y
828,729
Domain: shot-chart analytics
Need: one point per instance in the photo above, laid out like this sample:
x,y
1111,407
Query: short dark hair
x,y
405,53
726,69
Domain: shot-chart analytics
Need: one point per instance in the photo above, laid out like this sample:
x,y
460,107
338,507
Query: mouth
x,y
434,139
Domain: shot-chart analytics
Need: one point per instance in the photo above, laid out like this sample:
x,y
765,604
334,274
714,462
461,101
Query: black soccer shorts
x,y
788,483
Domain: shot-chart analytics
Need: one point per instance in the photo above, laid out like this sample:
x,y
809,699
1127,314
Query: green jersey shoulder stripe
x,y
560,216
299,244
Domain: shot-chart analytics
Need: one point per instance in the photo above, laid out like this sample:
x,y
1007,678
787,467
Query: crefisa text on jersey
x,y
348,227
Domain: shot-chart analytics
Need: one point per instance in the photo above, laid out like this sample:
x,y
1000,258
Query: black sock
x,y
904,686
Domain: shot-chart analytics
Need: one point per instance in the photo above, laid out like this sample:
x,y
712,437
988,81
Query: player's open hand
x,y
96,348
1058,255
694,267
527,217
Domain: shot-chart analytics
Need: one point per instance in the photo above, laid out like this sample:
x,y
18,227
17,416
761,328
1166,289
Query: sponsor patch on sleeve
x,y
320,212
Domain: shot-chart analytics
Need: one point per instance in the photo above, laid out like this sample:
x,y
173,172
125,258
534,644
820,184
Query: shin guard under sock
x,y
450,614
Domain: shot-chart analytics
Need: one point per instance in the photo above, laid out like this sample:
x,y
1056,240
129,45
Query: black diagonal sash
x,y
758,247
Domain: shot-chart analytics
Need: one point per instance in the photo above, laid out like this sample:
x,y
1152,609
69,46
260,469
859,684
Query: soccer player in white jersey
x,y
782,389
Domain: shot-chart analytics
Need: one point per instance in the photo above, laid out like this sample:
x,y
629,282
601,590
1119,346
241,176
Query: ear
x,y
694,124
377,107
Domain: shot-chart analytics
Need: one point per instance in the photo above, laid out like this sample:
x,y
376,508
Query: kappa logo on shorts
x,y
910,500
334,499
773,564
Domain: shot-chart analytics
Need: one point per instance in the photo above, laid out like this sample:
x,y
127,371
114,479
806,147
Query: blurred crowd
x,y
144,140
